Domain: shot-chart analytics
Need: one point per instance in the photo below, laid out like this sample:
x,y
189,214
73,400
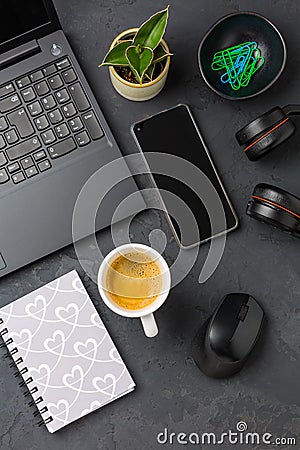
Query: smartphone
x,y
174,131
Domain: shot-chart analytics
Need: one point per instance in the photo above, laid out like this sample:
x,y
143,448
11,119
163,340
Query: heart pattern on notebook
x,y
106,384
55,342
73,378
94,405
115,356
95,320
60,410
41,376
67,314
67,350
87,348
37,308
23,339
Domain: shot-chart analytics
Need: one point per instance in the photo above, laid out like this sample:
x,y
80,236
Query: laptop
x,y
53,137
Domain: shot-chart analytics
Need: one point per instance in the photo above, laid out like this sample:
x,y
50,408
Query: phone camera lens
x,y
138,128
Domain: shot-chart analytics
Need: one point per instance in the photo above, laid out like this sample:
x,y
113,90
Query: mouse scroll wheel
x,y
243,312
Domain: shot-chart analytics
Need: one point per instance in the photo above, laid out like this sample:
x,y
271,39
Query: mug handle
x,y
149,325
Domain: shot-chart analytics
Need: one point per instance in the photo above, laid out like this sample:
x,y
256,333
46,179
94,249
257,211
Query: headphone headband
x,y
291,110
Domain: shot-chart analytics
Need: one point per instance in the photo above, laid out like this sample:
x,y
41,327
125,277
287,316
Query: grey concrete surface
x,y
171,391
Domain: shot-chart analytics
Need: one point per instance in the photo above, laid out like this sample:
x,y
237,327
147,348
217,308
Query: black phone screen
x,y
174,132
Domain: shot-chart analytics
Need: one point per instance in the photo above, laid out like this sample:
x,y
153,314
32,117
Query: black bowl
x,y
236,29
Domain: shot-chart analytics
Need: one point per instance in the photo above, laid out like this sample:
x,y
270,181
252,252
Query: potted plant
x,y
139,59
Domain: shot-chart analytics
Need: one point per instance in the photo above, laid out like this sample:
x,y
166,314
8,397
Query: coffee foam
x,y
134,280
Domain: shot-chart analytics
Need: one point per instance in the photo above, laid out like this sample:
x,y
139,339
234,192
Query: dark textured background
x,y
171,391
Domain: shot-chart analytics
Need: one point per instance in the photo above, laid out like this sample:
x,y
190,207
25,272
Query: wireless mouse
x,y
224,342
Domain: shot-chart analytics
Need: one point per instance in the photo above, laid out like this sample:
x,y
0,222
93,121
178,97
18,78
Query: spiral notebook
x,y
63,352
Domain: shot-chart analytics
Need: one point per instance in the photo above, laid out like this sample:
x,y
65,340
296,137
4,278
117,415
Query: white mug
x,y
145,314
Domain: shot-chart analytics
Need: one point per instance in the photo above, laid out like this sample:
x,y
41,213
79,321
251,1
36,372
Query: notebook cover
x,y
67,350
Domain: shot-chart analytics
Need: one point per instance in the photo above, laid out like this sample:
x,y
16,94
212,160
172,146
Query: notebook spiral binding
x,y
22,370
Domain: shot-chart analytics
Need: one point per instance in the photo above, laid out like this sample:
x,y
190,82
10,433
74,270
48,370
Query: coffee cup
x,y
145,313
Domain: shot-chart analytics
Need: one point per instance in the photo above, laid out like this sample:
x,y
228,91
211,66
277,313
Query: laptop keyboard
x,y
43,116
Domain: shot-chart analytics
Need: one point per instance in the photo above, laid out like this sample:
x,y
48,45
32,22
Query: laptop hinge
x,y
18,54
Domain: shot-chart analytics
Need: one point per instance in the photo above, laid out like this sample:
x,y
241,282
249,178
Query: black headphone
x,y
276,207
267,131
268,203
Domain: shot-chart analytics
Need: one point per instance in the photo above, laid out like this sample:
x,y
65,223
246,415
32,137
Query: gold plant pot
x,y
133,91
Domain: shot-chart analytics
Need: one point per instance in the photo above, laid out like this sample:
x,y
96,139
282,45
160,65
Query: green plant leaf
x,y
149,72
117,55
160,54
152,31
139,60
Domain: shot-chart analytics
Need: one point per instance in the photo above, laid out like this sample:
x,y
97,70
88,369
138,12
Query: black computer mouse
x,y
224,342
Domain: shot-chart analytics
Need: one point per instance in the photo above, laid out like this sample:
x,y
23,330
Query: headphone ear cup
x,y
260,125
275,207
269,139
278,196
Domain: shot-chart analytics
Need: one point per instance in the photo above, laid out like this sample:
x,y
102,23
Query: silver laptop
x,y
53,136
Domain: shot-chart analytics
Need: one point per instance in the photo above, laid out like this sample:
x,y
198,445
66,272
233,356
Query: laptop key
x,y
69,110
18,177
41,123
9,103
62,131
13,167
76,124
48,102
3,159
44,165
55,116
93,125
63,64
42,88
36,76
3,176
82,139
62,148
55,82
39,155
2,142
35,109
69,76
79,97
3,124
23,82
11,137
21,121
28,94
7,89
48,137
23,148
27,162
31,172
62,96
49,70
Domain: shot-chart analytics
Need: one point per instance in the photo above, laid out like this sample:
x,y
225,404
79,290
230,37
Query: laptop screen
x,y
18,17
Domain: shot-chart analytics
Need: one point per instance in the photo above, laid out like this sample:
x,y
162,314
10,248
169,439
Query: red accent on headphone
x,y
276,204
266,134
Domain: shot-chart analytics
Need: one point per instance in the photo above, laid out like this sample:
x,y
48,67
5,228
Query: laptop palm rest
x,y
46,222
